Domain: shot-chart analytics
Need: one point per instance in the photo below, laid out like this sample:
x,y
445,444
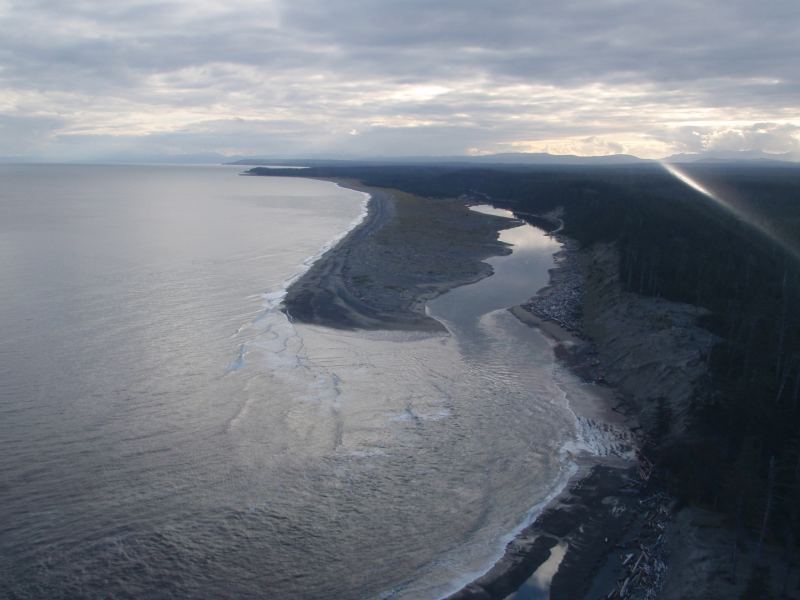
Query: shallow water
x,y
166,433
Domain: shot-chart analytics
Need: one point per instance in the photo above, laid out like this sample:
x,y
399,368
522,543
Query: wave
x,y
277,341
273,299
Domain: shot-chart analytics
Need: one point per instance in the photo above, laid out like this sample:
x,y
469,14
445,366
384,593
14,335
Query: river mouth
x,y
443,446
420,455
516,276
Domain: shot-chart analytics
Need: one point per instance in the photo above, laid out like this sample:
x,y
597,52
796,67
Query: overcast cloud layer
x,y
85,80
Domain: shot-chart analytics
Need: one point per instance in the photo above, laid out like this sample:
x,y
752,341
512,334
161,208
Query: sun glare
x,y
752,220
676,172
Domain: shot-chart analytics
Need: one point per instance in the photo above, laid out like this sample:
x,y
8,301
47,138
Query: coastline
x,y
638,353
278,297
384,271
568,552
595,507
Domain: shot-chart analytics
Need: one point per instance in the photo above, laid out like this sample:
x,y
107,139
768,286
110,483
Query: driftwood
x,y
624,589
643,567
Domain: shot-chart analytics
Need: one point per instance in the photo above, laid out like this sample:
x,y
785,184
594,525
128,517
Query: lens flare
x,y
676,172
752,220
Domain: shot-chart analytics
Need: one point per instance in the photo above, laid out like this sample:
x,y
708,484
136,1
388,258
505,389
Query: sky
x,y
85,79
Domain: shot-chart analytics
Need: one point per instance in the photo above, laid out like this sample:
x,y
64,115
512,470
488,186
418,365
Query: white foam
x,y
600,440
277,344
595,436
309,262
592,438
271,300
567,472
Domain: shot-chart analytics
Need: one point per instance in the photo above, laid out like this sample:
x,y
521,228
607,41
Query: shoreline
x,y
384,271
595,510
330,245
608,337
582,513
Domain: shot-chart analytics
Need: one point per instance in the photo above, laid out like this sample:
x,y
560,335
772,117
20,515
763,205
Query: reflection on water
x,y
537,587
165,432
516,277
486,209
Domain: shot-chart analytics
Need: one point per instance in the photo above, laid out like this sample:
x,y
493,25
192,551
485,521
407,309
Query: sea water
x,y
165,432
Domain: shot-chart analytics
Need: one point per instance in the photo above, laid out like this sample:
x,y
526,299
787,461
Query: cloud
x,y
23,135
770,138
412,77
767,138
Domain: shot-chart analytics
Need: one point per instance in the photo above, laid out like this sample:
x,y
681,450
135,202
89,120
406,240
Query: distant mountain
x,y
201,158
287,162
534,158
728,156
511,158
543,158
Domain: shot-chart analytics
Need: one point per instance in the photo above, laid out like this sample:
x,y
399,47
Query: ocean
x,y
166,432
